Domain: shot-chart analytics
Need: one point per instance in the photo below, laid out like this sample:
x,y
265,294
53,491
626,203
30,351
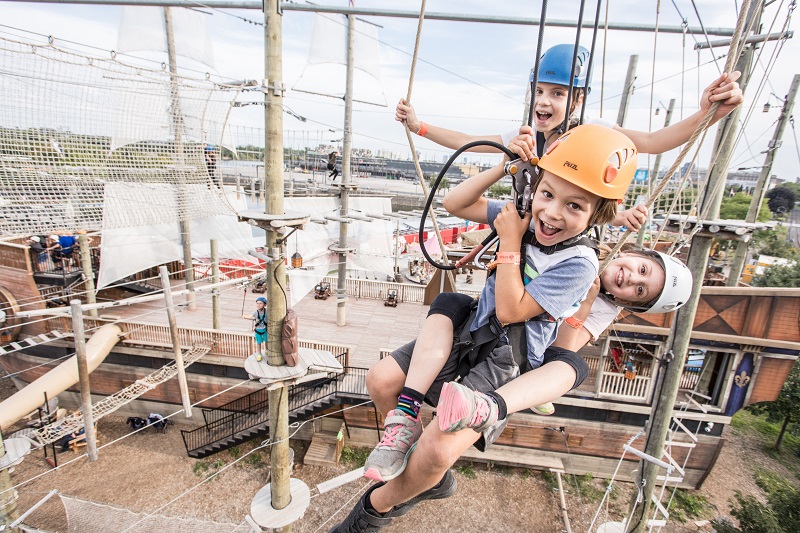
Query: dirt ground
x,y
145,471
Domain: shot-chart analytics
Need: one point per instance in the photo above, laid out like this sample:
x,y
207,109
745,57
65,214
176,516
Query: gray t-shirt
x,y
563,280
260,320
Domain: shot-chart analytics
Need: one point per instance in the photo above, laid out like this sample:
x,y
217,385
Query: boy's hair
x,y
604,213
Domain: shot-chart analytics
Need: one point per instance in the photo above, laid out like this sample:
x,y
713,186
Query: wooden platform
x,y
319,361
326,443
267,516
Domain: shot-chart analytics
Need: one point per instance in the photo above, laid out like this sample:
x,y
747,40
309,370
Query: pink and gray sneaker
x,y
389,458
461,407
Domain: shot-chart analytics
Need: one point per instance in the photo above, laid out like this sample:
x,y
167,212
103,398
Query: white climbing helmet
x,y
677,285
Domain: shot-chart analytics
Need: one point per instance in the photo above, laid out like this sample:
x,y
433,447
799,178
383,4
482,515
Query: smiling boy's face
x,y
560,210
260,305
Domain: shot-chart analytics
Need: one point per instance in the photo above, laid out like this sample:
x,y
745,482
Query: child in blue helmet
x,y
259,318
551,106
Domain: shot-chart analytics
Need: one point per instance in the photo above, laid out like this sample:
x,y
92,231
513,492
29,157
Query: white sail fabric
x,y
372,240
142,29
128,249
325,69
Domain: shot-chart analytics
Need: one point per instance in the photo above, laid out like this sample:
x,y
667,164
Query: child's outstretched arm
x,y
448,138
724,90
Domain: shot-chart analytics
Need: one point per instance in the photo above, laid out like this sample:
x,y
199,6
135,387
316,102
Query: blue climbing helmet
x,y
261,299
555,64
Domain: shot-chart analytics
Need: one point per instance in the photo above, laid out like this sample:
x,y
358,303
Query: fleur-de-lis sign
x,y
742,379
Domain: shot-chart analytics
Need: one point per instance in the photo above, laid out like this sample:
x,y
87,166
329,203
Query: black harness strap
x,y
261,320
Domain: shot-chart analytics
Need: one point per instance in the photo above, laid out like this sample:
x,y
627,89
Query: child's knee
x,y
384,383
438,450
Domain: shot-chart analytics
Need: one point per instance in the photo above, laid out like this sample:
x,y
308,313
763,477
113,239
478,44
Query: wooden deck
x,y
370,327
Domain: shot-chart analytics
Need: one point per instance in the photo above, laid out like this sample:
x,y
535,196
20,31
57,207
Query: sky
x,y
472,77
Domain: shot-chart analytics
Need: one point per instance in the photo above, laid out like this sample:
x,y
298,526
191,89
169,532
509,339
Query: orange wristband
x,y
574,322
423,129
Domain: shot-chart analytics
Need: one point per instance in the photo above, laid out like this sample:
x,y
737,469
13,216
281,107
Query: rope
x,y
590,66
650,176
733,54
420,176
571,87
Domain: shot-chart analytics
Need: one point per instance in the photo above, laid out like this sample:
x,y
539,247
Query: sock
x,y
410,402
502,409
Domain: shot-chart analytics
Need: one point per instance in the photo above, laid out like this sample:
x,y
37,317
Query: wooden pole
x,y
8,496
276,269
562,501
176,341
83,378
341,280
177,126
627,90
763,181
215,313
88,272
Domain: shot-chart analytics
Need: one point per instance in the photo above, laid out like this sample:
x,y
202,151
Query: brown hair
x,y
604,213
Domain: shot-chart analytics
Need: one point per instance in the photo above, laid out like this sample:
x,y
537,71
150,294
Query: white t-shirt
x,y
601,315
507,136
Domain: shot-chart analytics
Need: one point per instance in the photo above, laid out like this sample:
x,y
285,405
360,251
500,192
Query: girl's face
x,y
560,210
550,106
633,278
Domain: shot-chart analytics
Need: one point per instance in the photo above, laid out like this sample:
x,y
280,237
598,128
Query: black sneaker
x,y
360,520
444,489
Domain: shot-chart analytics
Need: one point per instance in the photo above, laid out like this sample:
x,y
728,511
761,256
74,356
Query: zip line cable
x,y
702,27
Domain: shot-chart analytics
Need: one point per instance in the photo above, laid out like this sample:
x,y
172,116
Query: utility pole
x,y
83,379
652,178
273,205
682,322
177,126
627,90
341,247
763,180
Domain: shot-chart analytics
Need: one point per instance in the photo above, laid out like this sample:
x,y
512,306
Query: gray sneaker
x,y
444,489
389,458
360,520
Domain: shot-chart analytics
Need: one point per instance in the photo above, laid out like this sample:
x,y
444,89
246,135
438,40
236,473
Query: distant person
x,y
332,165
67,246
38,252
66,439
259,318
211,163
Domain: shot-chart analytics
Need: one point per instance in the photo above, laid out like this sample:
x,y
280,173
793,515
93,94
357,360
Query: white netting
x,y
96,517
70,123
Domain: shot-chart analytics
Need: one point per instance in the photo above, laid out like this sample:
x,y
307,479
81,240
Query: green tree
x,y
781,199
780,276
735,208
775,242
444,185
781,514
498,191
786,409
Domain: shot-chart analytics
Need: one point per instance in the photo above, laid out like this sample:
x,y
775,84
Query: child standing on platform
x,y
259,318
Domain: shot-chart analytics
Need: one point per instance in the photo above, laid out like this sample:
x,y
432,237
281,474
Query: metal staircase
x,y
247,418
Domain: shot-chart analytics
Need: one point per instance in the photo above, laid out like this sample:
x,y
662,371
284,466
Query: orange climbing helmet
x,y
596,158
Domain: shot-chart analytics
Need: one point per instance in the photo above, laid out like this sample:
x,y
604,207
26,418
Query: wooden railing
x,y
618,386
225,343
15,255
367,288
